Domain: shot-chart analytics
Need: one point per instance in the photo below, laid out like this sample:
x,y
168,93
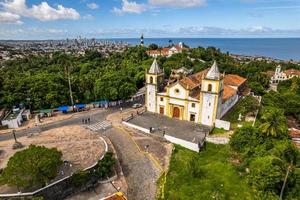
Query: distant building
x,y
180,73
202,97
15,118
280,75
166,52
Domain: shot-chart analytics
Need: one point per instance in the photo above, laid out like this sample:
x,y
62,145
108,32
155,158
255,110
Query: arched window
x,y
151,79
209,87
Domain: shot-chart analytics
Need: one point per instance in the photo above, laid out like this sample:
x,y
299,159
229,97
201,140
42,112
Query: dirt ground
x,y
78,145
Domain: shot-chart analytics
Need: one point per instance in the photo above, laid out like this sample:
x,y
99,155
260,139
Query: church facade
x,y
202,97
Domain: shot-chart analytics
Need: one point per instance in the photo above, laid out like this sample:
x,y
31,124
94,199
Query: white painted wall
x,y
136,127
229,104
177,102
208,109
151,97
222,124
184,143
181,94
13,123
194,110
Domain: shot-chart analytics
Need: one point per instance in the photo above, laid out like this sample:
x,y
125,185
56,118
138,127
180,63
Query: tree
x,y
34,166
153,46
105,166
67,62
273,122
266,174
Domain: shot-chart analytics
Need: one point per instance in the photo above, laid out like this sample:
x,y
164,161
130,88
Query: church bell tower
x,y
211,96
154,81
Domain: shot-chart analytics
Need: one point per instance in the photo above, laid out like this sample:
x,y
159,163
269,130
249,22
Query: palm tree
x,y
288,161
273,122
66,61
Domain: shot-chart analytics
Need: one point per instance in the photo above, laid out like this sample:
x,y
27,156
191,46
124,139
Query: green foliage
x,y
267,156
105,166
265,174
273,122
34,166
218,178
247,105
153,46
103,169
194,167
80,178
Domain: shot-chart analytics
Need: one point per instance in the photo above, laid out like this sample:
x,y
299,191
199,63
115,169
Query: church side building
x,y
279,75
201,97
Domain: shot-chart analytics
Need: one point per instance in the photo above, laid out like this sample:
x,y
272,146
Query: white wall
x,y
181,94
14,123
184,143
229,104
151,97
136,127
222,124
208,110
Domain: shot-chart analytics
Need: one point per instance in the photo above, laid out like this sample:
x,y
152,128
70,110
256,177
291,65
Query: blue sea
x,y
279,48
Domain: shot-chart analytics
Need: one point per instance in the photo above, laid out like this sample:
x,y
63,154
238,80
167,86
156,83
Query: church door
x,y
176,112
161,110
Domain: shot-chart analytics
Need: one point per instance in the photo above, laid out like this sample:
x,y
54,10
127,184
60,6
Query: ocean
x,y
279,48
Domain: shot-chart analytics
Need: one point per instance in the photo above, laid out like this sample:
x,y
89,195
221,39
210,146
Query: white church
x,y
202,97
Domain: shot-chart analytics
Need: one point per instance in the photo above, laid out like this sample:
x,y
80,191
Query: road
x,y
95,116
141,174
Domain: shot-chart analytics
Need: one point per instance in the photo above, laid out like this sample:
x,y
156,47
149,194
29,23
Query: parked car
x,y
137,105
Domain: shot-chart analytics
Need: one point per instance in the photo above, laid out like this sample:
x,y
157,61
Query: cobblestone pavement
x,y
140,172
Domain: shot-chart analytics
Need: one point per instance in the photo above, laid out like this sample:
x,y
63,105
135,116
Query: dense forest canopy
x,y
44,79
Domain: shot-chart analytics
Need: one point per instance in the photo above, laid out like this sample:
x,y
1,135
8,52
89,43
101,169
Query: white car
x,y
137,105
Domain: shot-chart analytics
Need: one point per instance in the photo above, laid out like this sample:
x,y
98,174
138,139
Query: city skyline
x,y
57,19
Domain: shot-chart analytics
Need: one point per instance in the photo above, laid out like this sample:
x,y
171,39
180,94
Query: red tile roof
x,y
292,72
234,80
228,92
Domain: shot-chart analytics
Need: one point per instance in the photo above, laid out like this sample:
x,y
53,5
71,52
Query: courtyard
x,y
188,131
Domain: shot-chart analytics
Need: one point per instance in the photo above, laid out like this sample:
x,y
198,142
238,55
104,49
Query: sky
x,y
60,19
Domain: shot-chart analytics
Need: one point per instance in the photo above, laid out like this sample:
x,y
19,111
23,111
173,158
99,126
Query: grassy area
x,y
218,131
219,179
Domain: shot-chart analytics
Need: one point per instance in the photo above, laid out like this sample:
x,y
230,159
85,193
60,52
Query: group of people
x,y
86,120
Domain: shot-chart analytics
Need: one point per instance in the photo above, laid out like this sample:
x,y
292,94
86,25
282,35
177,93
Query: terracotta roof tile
x,y
292,72
193,80
228,92
234,80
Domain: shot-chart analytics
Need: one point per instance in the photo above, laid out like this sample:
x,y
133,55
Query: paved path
x,y
103,125
95,116
140,172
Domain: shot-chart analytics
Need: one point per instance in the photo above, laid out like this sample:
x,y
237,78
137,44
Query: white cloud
x,y
178,3
32,33
195,31
130,7
9,18
42,11
92,6
88,17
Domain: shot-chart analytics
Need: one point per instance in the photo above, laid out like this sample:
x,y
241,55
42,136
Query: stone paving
x,y
185,130
140,172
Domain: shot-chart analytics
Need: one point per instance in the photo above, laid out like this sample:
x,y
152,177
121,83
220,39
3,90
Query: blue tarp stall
x,y
102,103
79,106
64,109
